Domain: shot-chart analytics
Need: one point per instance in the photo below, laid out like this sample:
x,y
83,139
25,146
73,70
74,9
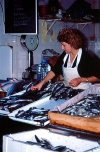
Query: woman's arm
x,y
49,76
91,79
75,82
55,70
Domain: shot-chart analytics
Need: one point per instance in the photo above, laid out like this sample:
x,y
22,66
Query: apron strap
x,y
65,64
74,64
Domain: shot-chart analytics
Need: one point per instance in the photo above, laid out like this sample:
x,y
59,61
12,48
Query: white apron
x,y
70,73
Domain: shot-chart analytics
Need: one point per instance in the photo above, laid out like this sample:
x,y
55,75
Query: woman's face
x,y
66,47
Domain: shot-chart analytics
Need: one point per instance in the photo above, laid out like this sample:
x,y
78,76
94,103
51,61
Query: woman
x,y
78,68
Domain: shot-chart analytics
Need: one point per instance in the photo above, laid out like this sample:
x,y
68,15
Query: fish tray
x,y
88,124
44,103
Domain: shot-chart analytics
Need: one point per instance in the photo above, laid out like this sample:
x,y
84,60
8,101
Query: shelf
x,y
66,20
83,22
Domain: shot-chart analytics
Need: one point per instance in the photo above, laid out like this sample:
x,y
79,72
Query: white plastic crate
x,y
71,142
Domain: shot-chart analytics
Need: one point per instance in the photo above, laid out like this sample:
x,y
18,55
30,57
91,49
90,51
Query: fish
x,y
89,106
56,89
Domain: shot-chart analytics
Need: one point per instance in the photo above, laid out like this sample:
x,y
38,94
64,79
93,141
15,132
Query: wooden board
x,y
75,122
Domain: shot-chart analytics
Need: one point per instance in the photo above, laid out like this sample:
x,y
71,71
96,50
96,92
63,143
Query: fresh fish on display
x,y
34,95
33,114
41,119
30,117
14,107
29,94
14,97
56,89
20,113
62,92
89,106
95,111
10,105
38,111
47,145
16,101
10,108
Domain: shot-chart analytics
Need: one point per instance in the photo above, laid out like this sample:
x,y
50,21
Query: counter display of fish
x,y
89,106
60,91
55,90
34,114
40,115
14,102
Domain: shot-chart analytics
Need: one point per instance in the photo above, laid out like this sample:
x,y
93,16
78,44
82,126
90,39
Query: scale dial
x,y
30,42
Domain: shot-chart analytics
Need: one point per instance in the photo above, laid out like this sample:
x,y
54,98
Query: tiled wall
x,y
20,54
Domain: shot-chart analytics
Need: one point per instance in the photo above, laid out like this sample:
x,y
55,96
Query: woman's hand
x,y
38,86
48,77
75,82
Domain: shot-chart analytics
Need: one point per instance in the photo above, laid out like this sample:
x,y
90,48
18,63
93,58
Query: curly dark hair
x,y
71,36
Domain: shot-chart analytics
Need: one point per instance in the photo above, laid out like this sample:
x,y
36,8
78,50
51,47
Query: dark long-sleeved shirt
x,y
88,65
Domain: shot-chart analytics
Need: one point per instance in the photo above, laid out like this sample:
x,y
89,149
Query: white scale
x,y
30,42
